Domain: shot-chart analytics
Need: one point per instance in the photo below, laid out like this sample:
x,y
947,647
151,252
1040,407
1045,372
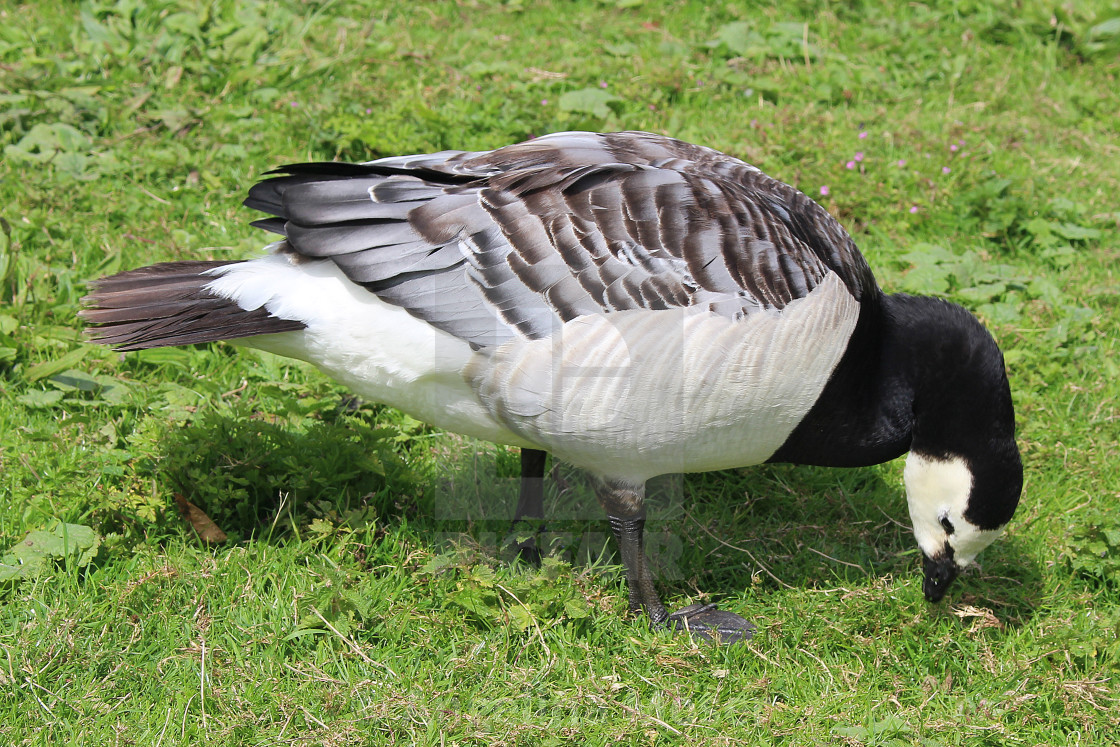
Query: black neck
x,y
919,374
864,416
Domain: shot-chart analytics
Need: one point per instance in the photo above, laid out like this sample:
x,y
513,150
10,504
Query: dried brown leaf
x,y
203,525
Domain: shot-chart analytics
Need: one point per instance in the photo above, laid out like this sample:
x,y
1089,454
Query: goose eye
x,y
947,525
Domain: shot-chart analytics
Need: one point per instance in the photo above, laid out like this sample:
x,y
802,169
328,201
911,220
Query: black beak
x,y
939,574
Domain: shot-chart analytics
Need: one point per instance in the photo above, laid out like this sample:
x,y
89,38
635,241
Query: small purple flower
x,y
862,135
913,208
295,104
859,156
953,147
824,191
544,102
901,162
945,169
850,165
602,84
369,111
652,108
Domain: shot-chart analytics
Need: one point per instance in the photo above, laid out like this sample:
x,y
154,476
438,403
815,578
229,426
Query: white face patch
x,y
937,491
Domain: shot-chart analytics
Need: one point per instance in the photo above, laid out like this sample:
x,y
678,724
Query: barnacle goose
x,y
631,303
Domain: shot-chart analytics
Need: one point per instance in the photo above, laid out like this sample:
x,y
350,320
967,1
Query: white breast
x,y
640,393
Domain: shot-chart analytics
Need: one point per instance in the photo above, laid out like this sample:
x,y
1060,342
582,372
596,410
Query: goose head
x,y
963,475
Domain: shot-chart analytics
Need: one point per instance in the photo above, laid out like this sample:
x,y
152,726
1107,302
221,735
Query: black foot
x,y
523,541
527,552
708,623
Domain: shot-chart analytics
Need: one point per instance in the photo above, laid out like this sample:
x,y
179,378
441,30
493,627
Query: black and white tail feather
x,y
168,304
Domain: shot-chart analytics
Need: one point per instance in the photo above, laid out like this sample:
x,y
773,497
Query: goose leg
x,y
530,503
629,532
623,504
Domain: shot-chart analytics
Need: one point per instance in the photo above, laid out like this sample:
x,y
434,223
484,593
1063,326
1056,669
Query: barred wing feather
x,y
488,246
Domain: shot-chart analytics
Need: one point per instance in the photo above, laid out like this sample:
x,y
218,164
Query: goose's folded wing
x,y
512,242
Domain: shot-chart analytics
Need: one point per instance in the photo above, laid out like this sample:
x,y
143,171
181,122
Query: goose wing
x,y
488,246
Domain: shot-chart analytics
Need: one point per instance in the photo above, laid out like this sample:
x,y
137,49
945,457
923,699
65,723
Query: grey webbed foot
x,y
706,622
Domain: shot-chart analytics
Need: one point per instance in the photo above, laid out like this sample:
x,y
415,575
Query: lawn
x,y
366,592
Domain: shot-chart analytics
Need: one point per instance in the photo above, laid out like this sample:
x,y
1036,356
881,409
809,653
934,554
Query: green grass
x,y
364,595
